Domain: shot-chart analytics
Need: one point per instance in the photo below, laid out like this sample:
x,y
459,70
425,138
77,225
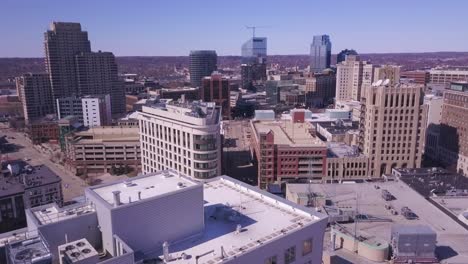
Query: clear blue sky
x,y
174,27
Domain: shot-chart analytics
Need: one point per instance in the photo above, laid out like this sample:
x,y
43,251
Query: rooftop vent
x,y
128,183
180,185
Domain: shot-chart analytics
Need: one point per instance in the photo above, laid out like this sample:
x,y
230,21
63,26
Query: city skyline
x,y
144,30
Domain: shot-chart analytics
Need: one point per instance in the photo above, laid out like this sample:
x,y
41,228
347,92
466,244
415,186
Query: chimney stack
x,y
116,198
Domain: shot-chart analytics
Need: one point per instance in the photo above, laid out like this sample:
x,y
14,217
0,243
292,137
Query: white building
x,y
171,218
353,76
183,136
96,110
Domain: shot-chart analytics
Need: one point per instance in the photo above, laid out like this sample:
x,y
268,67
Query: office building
x,y
96,110
434,115
320,53
254,57
183,136
103,149
177,220
342,55
35,94
216,89
320,88
392,126
352,77
445,75
453,142
387,72
97,75
202,63
70,106
62,43
344,162
419,77
286,150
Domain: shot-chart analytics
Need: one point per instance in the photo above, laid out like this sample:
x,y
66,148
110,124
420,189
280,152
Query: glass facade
x,y
320,53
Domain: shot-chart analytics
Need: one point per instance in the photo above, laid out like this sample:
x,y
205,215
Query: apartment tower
x,y
35,94
62,43
392,126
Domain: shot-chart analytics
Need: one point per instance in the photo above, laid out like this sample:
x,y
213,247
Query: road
x,y
72,186
237,161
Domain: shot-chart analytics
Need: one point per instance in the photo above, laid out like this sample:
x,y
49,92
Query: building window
x,y
306,246
271,260
290,255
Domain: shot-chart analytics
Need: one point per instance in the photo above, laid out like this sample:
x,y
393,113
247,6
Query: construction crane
x,y
253,29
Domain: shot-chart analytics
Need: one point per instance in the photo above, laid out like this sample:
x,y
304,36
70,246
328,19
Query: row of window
x,y
290,253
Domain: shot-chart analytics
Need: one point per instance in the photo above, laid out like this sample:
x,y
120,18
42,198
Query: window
x,y
271,260
290,255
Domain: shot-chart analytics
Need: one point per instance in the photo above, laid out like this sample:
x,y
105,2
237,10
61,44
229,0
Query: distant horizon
x,y
333,54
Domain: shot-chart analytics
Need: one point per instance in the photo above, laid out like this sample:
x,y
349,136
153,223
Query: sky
x,y
174,27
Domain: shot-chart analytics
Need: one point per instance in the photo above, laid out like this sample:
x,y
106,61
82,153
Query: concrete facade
x,y
392,127
96,110
353,76
183,136
34,91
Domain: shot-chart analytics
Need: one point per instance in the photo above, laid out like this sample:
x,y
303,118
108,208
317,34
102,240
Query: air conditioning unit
x,y
78,252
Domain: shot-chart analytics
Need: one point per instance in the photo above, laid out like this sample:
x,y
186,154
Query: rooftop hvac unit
x,y
78,252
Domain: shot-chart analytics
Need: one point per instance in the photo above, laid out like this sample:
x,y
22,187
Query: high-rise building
x,y
182,136
254,48
75,70
453,142
419,77
353,76
96,110
387,72
62,43
35,93
202,64
216,89
342,55
96,74
392,126
320,53
254,57
286,150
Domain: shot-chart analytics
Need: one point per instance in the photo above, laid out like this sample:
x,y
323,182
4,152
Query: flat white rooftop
x,y
261,216
51,213
152,185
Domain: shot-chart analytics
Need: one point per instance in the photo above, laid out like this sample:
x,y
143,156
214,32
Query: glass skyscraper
x,y
253,68
320,53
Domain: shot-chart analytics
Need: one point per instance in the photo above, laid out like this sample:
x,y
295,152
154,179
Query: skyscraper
x,y
342,55
254,55
36,97
254,48
353,76
96,74
320,53
75,70
392,126
62,43
202,64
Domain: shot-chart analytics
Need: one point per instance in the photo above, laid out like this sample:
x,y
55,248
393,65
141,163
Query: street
x,y
72,186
